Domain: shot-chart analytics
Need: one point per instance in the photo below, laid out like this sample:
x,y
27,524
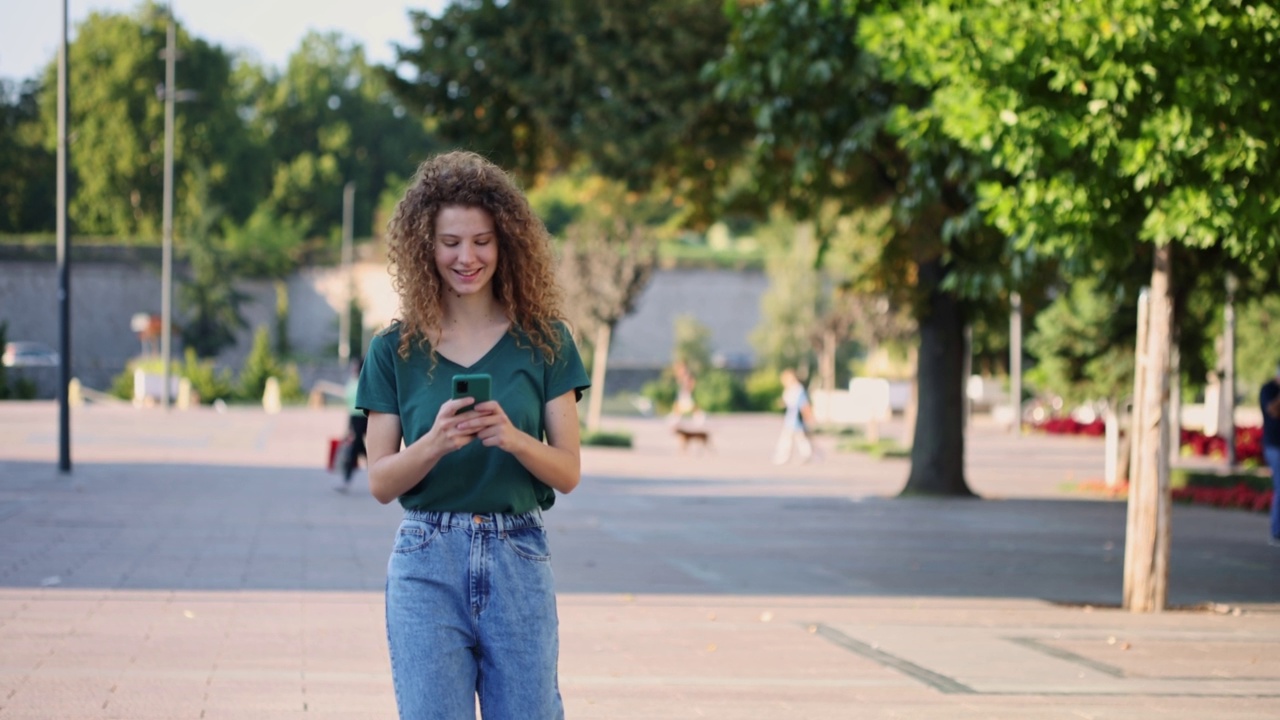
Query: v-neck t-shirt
x,y
473,478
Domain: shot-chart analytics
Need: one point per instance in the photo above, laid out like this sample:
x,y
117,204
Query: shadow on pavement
x,y
187,527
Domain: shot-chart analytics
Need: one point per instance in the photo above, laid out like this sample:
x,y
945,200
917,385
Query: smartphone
x,y
474,385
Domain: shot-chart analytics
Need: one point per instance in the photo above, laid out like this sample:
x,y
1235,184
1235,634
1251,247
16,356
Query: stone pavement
x,y
198,565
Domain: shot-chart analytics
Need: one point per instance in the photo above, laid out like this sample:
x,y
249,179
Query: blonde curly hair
x,y
523,283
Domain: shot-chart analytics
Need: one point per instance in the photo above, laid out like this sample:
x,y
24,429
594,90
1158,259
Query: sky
x,y
30,30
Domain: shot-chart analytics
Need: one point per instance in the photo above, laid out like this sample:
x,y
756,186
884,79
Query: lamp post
x,y
64,259
1228,425
344,317
166,263
170,94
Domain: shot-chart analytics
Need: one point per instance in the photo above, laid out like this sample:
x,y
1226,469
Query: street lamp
x,y
170,96
64,258
1229,370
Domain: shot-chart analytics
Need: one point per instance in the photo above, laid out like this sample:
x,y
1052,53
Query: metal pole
x,y
1228,428
64,260
344,317
166,272
1015,360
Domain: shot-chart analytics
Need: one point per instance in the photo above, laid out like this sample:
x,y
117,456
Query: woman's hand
x,y
449,431
491,424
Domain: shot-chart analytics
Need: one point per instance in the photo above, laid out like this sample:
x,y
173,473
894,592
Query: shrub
x,y
763,391
719,391
661,392
262,364
606,438
208,384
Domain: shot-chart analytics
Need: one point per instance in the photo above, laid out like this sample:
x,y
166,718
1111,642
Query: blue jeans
x,y
471,611
1272,454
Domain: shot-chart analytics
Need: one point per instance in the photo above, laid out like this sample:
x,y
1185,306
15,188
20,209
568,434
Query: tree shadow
x,y
189,527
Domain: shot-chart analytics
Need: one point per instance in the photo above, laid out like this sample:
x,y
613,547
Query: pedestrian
x,y
357,424
1269,399
470,605
796,420
685,405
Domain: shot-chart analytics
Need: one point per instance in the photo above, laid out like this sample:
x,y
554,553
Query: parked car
x,y
28,354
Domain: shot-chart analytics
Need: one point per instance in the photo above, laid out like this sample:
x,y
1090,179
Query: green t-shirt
x,y
473,478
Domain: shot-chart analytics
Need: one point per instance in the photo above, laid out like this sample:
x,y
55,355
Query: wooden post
x,y
1146,572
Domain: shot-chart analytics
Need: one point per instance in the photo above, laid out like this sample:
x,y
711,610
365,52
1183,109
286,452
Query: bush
x,y
763,391
262,364
606,438
661,392
719,391
207,383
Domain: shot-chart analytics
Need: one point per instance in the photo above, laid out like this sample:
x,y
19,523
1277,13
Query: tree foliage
x,y
1106,122
537,85
27,166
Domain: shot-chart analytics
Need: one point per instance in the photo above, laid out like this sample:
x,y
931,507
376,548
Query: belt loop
x,y
445,521
500,519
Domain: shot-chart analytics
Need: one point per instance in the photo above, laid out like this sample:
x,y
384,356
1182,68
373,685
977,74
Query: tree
x,y
823,134
539,85
118,124
26,167
604,267
329,119
1106,124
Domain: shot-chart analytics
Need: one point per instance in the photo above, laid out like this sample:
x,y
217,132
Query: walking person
x,y
796,420
470,606
357,425
1269,399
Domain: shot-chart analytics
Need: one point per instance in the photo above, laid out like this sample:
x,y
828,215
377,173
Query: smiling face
x,y
466,249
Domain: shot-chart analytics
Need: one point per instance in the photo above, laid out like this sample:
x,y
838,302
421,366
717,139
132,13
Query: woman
x,y
470,604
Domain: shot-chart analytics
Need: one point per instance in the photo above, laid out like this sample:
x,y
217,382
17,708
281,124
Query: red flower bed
x,y
1248,444
1237,496
1070,426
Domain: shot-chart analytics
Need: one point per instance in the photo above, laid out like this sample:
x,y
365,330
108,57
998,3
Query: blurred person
x,y
470,605
357,425
685,405
1269,399
797,420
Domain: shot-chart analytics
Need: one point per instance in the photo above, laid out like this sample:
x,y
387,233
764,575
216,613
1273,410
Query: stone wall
x,y
107,291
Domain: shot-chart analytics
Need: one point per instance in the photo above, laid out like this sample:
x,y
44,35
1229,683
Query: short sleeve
x,y
377,391
566,372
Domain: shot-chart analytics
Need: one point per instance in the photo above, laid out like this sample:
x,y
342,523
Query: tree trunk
x,y
599,363
1146,569
937,452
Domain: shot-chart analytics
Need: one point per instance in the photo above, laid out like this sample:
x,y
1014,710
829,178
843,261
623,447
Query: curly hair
x,y
524,282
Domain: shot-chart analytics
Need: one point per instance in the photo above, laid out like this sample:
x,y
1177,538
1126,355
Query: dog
x,y
693,436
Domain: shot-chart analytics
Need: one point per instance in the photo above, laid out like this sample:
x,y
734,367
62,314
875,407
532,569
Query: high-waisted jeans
x,y
471,611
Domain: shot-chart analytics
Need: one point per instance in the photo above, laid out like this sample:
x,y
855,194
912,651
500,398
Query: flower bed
x,y
1248,445
1070,426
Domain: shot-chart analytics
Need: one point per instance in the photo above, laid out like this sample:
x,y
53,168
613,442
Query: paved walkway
x,y
198,565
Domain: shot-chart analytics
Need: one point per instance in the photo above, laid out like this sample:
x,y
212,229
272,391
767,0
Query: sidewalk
x,y
198,565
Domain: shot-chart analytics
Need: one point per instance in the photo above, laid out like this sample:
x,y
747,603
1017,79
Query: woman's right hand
x,y
392,471
444,433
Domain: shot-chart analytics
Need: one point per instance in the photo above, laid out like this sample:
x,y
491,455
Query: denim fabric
x,y
1272,454
471,611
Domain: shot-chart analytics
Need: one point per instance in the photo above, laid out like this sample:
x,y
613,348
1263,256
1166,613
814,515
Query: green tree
x,y
1108,124
27,172
327,120
823,136
538,85
118,124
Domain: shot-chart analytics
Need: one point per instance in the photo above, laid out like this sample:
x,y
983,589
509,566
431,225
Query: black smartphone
x,y
473,385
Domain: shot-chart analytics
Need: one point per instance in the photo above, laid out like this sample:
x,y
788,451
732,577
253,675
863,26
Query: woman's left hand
x,y
492,426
